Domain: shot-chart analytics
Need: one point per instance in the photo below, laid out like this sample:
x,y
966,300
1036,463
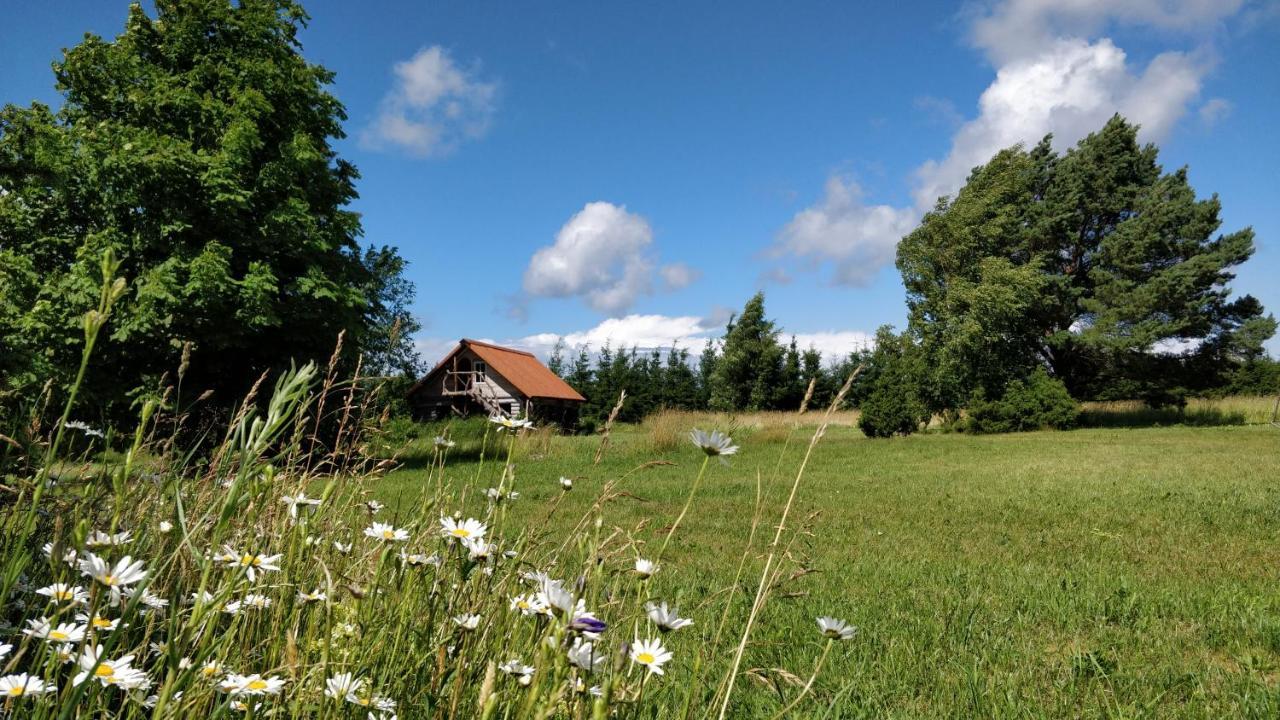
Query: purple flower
x,y
586,623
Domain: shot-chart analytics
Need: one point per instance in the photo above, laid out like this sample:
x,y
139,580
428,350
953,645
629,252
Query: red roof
x,y
520,368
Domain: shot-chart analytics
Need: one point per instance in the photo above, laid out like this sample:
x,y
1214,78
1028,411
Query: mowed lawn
x,y
1092,573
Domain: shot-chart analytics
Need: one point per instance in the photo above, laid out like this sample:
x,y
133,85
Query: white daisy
x,y
645,568
515,667
383,531
478,549
469,529
566,483
444,442
343,548
99,539
254,684
84,428
166,526
836,629
650,654
666,619
98,623
68,556
528,605
124,573
299,501
5,649
582,653
341,685
106,672
316,595
467,621
44,629
716,444
64,592
22,684
251,563
514,424
373,506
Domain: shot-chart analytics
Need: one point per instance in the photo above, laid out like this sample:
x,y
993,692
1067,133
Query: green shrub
x,y
893,407
1038,402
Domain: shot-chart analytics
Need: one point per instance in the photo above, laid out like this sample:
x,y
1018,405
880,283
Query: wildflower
x,y
467,529
384,704
106,672
13,686
373,506
467,621
566,483
148,599
444,442
836,629
256,601
587,624
316,595
513,424
582,653
124,573
666,619
515,667
211,669
650,654
99,623
43,628
68,556
528,605
383,531
62,592
557,598
84,428
254,684
715,444
645,568
166,526
252,563
341,685
478,549
99,539
5,649
344,548
300,500
496,494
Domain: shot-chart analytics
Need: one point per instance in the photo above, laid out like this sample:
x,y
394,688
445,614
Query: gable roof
x,y
520,368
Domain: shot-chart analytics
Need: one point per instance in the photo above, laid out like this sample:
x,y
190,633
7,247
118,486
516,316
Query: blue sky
x,y
633,171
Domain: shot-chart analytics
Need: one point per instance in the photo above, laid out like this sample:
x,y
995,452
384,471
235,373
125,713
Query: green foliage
x,y
893,405
1087,261
197,146
749,372
1036,403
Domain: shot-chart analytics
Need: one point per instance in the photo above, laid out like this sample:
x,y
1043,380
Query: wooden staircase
x,y
463,384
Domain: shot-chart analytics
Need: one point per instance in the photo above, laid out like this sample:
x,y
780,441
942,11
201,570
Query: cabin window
x,y
478,368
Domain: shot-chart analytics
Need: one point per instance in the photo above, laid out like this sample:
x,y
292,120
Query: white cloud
x,y
835,344
1215,110
1070,89
603,254
1014,29
678,275
857,238
433,106
1050,79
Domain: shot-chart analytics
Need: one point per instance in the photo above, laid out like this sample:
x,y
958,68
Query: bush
x,y
1038,402
893,407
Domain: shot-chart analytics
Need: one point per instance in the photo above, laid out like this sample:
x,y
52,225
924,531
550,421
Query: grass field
x,y
1092,573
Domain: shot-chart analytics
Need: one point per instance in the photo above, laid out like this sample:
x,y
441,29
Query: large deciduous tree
x,y
1094,263
197,146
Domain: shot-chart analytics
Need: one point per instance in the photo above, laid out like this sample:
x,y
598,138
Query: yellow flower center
x,y
209,670
110,580
249,560
523,605
104,671
387,534
58,635
17,690
257,685
63,595
101,623
364,701
645,658
460,532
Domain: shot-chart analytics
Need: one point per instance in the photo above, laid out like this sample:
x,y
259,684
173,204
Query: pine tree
x,y
748,374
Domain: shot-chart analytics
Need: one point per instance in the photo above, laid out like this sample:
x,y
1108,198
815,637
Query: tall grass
x,y
1203,412
265,578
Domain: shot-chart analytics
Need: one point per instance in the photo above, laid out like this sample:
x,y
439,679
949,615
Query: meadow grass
x,y
1092,573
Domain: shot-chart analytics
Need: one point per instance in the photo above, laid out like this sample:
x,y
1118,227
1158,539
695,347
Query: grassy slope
x,y
1090,573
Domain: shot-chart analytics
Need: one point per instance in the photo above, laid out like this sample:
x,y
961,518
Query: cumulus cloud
x,y
1050,79
1070,89
856,238
603,254
1014,29
432,107
1214,110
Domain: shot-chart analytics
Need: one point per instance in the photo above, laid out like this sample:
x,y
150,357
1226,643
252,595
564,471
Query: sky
x,y
633,172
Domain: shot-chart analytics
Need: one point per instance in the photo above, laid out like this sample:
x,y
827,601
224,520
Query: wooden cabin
x,y
478,377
